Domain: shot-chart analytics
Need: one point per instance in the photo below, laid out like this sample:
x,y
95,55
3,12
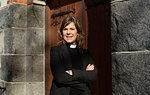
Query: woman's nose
x,y
68,32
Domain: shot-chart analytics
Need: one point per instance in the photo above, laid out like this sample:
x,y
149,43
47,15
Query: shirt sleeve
x,y
86,76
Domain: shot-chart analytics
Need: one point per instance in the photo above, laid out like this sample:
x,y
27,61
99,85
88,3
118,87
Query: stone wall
x,y
130,31
22,49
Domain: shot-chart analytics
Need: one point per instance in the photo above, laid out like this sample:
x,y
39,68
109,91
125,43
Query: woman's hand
x,y
69,72
90,67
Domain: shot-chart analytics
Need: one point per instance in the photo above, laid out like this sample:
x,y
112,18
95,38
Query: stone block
x,y
34,43
15,89
1,42
2,91
131,74
34,68
14,41
13,68
130,25
36,16
14,15
34,89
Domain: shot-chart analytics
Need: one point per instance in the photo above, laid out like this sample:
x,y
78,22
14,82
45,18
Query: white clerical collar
x,y
73,46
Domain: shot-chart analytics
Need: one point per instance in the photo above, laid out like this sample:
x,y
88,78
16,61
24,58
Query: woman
x,y
71,65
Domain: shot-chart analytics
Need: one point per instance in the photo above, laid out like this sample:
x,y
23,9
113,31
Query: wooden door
x,y
53,24
99,44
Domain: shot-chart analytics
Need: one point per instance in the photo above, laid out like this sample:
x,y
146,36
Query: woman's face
x,y
70,33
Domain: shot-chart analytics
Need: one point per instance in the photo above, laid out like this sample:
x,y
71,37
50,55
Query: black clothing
x,y
61,61
76,64
75,58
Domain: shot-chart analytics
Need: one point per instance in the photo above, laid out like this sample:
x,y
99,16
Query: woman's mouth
x,y
69,37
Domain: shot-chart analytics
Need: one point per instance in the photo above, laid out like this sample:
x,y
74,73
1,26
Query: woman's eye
x,y
72,29
65,29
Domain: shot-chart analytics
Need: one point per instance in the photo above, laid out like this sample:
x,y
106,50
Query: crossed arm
x,y
90,67
74,76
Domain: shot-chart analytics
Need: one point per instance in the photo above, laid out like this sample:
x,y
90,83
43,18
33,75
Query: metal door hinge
x,y
63,13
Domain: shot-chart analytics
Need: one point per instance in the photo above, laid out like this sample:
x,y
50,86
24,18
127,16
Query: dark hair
x,y
80,36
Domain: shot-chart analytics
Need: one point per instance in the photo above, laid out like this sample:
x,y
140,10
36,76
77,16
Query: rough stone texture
x,y
34,89
130,25
36,16
1,42
13,68
130,32
131,74
15,89
34,68
22,49
14,41
14,15
2,84
34,41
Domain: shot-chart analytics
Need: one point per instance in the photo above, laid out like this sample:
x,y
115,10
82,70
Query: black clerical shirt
x,y
77,63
